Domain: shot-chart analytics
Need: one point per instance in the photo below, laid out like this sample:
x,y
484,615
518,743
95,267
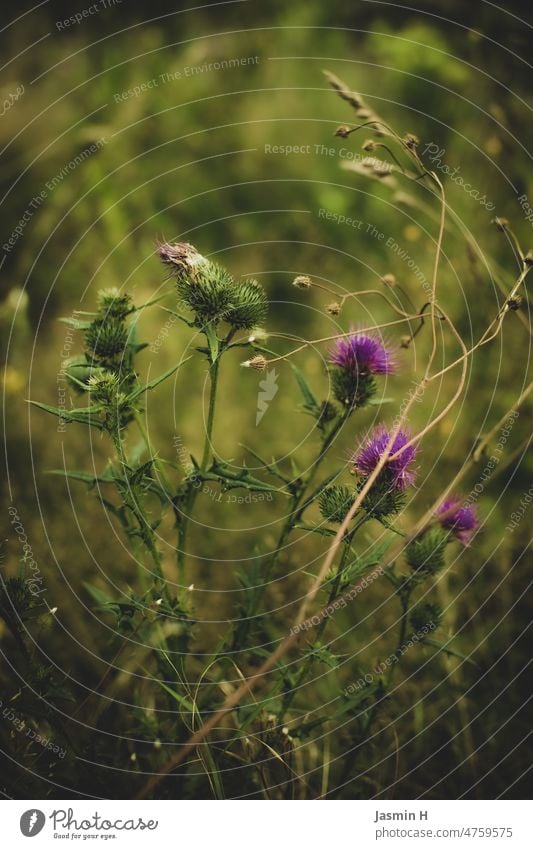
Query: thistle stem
x,y
192,492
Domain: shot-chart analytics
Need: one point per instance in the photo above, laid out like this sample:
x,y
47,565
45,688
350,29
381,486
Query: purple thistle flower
x,y
361,354
373,449
459,518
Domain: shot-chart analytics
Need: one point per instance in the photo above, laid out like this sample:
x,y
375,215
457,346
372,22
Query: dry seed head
x,y
302,282
334,308
343,131
528,259
411,141
501,223
259,363
405,341
258,335
389,280
514,303
369,145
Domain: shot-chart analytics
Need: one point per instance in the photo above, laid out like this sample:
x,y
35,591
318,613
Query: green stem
x,y
190,498
297,508
144,433
405,596
146,532
331,597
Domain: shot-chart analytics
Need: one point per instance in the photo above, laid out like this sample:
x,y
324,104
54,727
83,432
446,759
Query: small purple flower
x,y
397,468
459,518
361,354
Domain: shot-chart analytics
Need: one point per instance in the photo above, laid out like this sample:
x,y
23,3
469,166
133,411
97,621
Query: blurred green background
x,y
187,158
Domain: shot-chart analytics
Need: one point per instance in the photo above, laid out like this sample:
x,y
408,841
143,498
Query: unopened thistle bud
x,y
249,305
302,282
426,553
106,338
103,386
426,616
259,363
334,503
112,303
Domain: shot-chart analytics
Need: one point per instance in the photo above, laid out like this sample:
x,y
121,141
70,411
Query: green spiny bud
x,y
249,305
209,294
112,304
426,553
17,598
335,501
426,615
383,500
352,389
104,387
106,338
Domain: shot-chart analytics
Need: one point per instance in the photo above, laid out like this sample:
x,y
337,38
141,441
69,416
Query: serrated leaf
x,y
75,323
311,404
156,381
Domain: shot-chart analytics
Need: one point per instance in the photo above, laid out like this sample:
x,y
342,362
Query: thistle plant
x,y
334,505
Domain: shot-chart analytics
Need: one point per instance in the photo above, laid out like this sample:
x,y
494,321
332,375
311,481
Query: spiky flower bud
x,y
103,387
333,308
302,282
112,303
334,503
249,305
383,500
259,363
208,293
426,553
352,389
426,615
327,413
106,338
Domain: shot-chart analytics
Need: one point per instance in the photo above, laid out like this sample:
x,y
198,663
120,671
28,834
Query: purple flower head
x,y
397,468
453,515
361,354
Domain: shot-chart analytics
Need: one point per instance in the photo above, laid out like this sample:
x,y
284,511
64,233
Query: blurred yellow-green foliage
x,y
189,158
